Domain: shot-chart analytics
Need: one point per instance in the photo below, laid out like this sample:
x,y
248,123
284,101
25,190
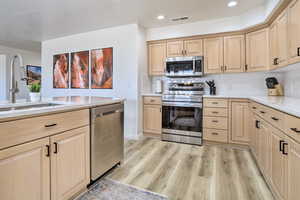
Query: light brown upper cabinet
x,y
240,122
257,50
294,31
157,58
189,47
213,55
279,41
234,53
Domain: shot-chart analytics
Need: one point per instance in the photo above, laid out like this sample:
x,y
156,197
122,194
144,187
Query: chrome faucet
x,y
14,89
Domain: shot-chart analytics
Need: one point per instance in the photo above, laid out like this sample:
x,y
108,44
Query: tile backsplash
x,y
252,83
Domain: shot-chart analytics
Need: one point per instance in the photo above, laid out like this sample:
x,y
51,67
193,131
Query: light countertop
x,y
289,105
66,103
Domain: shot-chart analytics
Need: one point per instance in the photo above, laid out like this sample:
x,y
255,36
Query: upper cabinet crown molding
x,y
257,50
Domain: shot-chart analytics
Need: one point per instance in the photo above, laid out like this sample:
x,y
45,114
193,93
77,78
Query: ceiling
x,y
25,23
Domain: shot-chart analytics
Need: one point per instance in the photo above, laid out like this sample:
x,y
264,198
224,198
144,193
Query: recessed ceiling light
x,y
160,17
232,3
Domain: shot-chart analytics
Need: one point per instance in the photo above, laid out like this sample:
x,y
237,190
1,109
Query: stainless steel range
x,y
182,110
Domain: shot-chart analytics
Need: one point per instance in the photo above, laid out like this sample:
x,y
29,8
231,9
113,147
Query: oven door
x,y
182,118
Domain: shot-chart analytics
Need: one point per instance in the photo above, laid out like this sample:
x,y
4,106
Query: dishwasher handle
x,y
108,113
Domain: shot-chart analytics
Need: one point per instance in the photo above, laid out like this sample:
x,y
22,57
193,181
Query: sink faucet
x,y
13,83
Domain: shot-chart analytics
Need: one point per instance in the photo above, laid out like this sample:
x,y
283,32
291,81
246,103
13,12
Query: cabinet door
x,y
157,58
274,45
193,47
152,119
25,172
240,122
175,48
234,53
294,31
278,163
282,23
257,50
213,55
253,133
264,147
70,163
293,171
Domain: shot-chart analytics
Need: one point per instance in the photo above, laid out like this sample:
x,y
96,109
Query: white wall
x,y
126,41
29,58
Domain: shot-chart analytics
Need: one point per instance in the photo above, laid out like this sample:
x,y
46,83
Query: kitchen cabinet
x,y
215,120
234,54
264,152
152,116
279,162
240,122
257,50
279,41
294,31
293,170
70,163
213,55
193,47
157,58
188,47
25,171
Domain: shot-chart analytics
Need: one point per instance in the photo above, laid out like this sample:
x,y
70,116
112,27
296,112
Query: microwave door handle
x,y
194,65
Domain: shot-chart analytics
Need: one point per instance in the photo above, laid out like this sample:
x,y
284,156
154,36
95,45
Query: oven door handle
x,y
193,105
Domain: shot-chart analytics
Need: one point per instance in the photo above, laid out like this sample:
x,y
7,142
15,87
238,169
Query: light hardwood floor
x,y
187,172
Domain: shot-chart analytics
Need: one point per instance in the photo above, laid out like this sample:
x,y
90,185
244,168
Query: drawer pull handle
x,y
298,51
262,112
214,133
152,100
254,107
215,121
280,145
295,130
55,147
215,103
257,124
283,148
275,119
48,150
214,112
50,125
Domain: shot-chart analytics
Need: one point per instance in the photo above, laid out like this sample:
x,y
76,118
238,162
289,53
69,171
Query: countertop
x,y
289,105
66,103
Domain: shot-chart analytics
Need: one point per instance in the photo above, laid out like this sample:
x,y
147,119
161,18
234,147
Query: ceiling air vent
x,y
180,19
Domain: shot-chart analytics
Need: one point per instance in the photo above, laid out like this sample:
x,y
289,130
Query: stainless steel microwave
x,y
184,66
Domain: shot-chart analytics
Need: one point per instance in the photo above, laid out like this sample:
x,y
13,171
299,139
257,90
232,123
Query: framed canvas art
x,y
61,71
34,74
80,69
102,68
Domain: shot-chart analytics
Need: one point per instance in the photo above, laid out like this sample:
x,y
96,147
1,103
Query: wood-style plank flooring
x,y
187,172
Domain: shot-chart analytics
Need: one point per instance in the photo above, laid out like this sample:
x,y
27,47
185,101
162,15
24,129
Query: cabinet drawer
x,y
276,118
292,127
215,135
152,100
263,112
216,112
24,130
254,107
215,122
216,103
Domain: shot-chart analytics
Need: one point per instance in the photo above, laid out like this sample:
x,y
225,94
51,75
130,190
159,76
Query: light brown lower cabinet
x,y
293,170
240,122
152,119
70,163
264,153
26,172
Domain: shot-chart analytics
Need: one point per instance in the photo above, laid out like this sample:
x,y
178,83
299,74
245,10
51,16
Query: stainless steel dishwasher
x,y
107,138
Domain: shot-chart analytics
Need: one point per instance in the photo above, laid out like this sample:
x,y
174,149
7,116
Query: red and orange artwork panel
x,y
61,71
80,69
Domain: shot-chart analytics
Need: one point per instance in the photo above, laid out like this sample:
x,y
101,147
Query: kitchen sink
x,y
28,107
